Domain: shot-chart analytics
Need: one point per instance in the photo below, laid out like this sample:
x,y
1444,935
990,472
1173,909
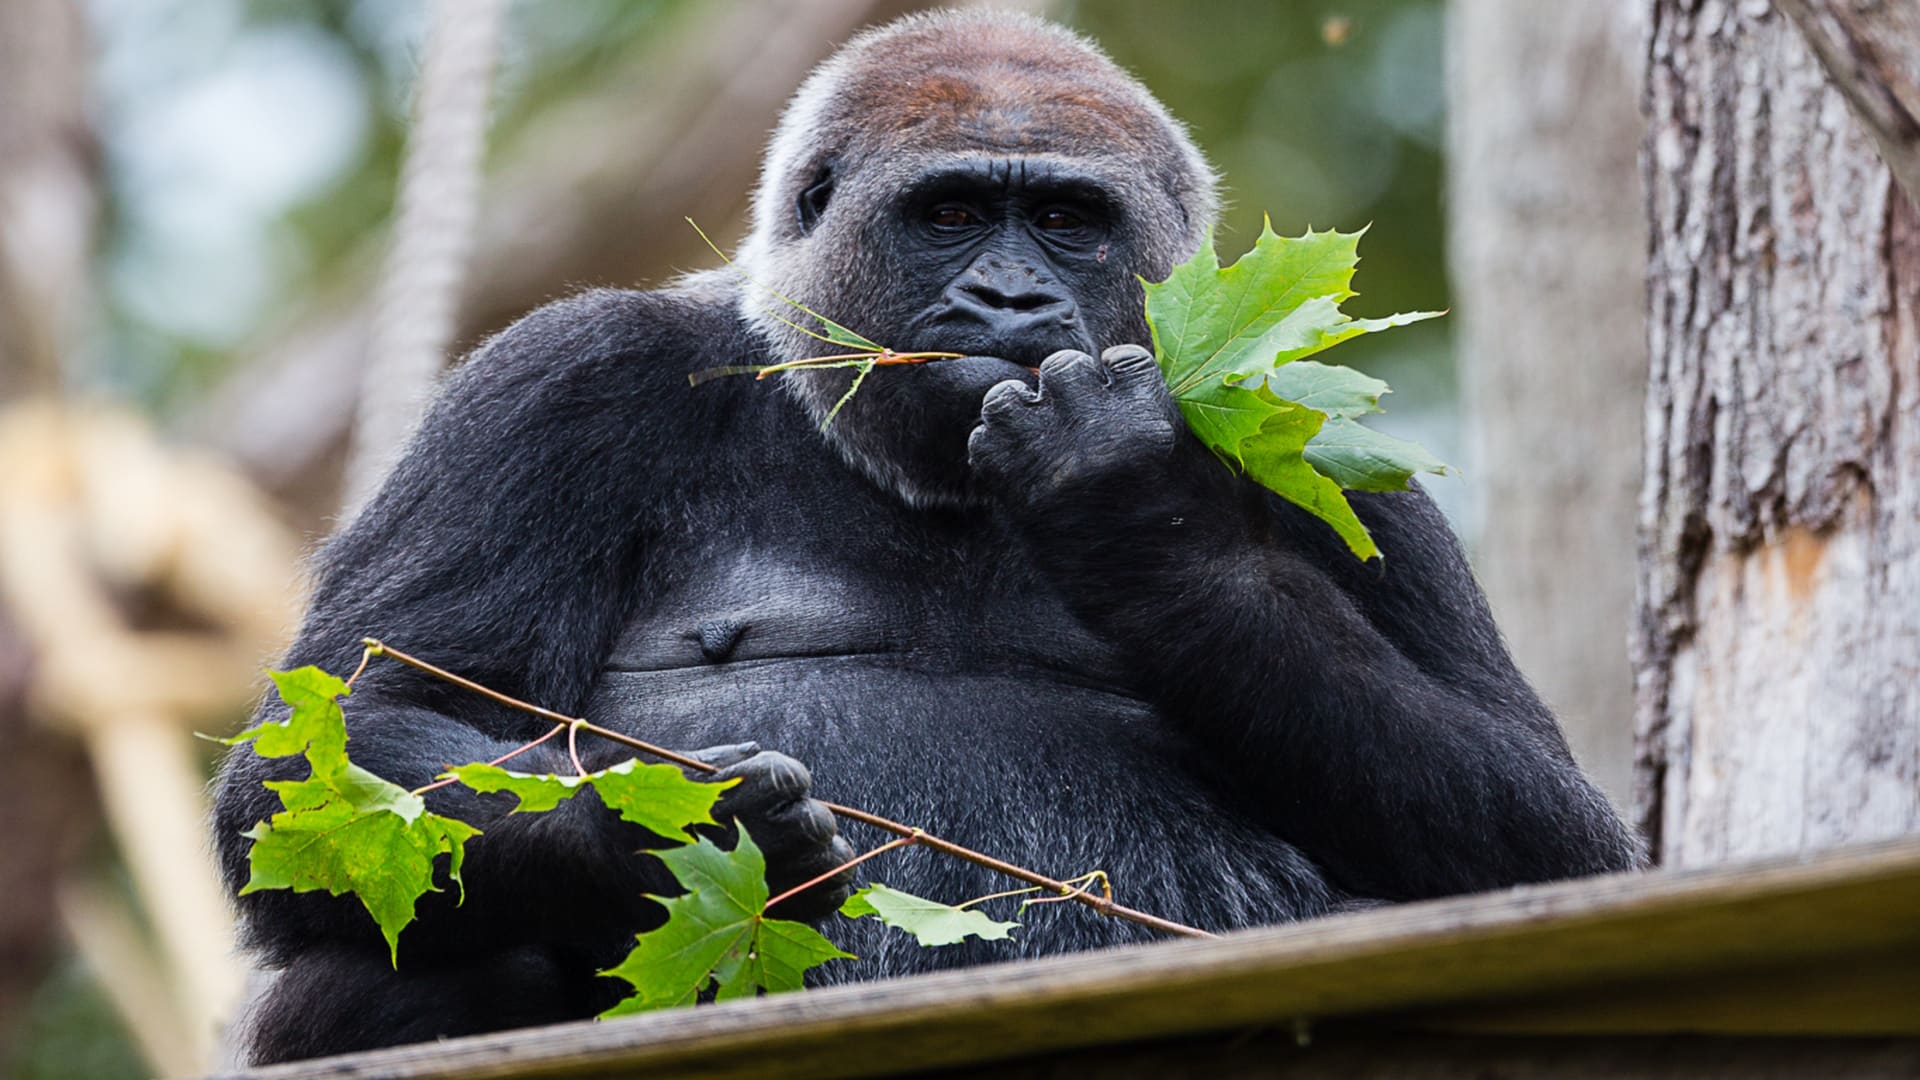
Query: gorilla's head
x,y
987,184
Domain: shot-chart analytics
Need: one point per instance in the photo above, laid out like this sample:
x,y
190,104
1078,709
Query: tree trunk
x,y
1549,262
1777,649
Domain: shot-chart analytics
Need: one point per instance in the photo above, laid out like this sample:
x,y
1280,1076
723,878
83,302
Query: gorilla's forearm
x,y
1370,709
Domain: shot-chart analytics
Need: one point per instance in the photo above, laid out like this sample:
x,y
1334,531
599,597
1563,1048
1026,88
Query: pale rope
x,y
419,293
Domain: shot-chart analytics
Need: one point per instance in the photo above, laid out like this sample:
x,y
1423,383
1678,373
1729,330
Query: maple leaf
x,y
342,829
717,933
1230,343
659,798
929,921
314,724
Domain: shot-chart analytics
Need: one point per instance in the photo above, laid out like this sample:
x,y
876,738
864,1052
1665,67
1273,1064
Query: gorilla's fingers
x,y
1129,362
821,900
768,780
1070,376
1135,372
794,830
726,755
1005,396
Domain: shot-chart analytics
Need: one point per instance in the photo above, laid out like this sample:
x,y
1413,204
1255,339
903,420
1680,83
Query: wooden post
x,y
1777,649
1548,253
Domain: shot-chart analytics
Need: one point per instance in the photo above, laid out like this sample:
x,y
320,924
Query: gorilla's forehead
x,y
996,87
1011,112
918,173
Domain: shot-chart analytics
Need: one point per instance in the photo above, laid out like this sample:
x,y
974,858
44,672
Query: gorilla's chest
x,y
836,609
953,598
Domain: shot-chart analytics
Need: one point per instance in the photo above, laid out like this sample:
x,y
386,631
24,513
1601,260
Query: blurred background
x,y
195,208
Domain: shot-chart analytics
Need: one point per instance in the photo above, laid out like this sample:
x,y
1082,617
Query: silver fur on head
x,y
818,126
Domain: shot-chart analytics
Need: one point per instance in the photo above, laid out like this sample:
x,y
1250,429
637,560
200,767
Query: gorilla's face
x,y
1003,259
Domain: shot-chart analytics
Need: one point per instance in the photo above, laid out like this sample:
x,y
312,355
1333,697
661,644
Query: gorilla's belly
x,y
961,698
1025,765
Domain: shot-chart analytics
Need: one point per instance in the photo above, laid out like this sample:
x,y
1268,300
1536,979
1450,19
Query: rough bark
x,y
1548,255
1871,51
1777,647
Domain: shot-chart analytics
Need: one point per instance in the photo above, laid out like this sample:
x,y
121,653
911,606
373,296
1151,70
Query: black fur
x,y
1068,638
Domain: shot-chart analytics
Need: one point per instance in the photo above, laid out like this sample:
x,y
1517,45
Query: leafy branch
x,y
1232,344
1101,903
345,830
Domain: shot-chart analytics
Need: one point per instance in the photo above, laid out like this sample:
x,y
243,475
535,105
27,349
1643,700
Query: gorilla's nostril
x,y
1010,300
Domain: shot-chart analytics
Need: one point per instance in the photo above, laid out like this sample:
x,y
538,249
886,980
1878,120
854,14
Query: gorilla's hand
x,y
797,834
1089,425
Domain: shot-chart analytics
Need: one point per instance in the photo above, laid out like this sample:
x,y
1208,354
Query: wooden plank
x,y
1602,932
1827,995
1360,1056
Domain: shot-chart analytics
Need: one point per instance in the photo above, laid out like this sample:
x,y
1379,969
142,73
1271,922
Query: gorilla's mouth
x,y
1023,351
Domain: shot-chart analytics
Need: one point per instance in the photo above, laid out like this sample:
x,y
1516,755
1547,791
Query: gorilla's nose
x,y
1009,299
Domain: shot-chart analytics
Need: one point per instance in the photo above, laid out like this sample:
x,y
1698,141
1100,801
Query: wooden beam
x,y
1818,913
1363,1055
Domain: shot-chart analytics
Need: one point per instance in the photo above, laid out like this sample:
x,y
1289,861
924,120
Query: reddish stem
x,y
506,757
848,865
366,657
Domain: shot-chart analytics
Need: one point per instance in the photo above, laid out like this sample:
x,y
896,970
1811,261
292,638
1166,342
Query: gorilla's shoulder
x,y
587,374
648,334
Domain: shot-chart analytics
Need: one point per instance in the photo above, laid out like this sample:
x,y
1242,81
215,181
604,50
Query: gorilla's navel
x,y
719,638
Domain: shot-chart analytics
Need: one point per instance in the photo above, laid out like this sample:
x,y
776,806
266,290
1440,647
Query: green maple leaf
x,y
343,829
717,932
1359,458
361,835
929,921
314,725
1230,343
659,798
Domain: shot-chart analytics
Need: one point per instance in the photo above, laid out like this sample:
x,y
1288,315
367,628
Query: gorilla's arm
x,y
508,545
1369,711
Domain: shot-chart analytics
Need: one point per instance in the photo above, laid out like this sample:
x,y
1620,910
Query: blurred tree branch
x,y
47,210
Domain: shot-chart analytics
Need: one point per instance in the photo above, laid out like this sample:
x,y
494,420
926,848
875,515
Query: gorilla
x,y
1007,597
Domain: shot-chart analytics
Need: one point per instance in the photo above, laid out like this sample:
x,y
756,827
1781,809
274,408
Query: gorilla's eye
x,y
952,218
1057,219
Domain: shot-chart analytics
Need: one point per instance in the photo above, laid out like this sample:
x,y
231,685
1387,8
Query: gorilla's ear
x,y
813,200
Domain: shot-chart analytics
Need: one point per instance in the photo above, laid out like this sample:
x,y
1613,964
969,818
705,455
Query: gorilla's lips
x,y
1019,339
989,369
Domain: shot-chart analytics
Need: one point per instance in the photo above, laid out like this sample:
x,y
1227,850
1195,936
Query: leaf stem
x,y
573,746
848,865
1020,873
1102,905
506,757
366,657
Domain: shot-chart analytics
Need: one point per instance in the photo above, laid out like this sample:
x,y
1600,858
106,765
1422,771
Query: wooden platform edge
x,y
1835,909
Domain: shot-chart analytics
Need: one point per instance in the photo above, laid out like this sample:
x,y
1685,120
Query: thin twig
x,y
1020,873
366,657
845,866
502,759
1102,905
